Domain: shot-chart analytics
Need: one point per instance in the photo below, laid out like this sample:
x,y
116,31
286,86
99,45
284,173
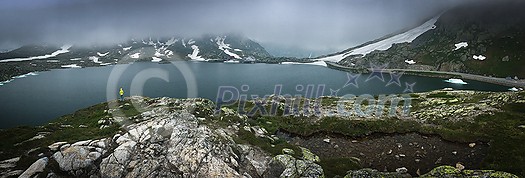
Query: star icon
x,y
333,92
394,78
377,72
409,87
352,79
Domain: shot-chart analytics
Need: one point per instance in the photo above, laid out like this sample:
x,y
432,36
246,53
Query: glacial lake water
x,y
35,100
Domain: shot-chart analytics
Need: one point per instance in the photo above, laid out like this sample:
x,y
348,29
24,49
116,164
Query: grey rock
x,y
37,167
308,155
402,170
505,59
11,173
9,163
76,159
256,157
288,151
292,167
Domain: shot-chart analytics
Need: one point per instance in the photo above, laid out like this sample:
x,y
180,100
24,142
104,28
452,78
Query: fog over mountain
x,y
304,25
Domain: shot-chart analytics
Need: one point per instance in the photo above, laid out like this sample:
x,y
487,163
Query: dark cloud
x,y
306,24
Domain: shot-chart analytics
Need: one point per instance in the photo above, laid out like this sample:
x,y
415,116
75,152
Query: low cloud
x,y
306,24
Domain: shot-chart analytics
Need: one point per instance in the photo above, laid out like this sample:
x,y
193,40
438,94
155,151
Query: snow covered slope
x,y
63,49
407,36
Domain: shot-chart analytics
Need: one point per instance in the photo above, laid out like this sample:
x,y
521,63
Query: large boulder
x,y
36,168
79,158
286,165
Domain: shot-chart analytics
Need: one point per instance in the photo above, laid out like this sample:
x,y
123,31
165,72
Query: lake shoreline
x,y
436,74
5,77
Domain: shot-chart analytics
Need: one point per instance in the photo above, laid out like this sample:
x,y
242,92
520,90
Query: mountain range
x,y
32,58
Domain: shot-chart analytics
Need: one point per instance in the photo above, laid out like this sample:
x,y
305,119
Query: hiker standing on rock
x,y
121,92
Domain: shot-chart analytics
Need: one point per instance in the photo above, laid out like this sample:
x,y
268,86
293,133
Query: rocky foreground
x,y
166,137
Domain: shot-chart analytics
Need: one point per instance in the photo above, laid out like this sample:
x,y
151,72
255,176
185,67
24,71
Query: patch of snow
x,y
220,42
237,50
195,54
410,62
513,89
460,45
456,81
334,58
191,41
232,61
224,47
102,54
156,59
158,54
168,53
20,76
24,75
94,59
479,57
53,61
5,82
183,43
318,63
75,59
135,56
62,50
127,48
71,66
407,36
105,64
232,54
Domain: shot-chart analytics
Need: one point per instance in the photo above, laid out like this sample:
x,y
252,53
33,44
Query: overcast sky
x,y
307,24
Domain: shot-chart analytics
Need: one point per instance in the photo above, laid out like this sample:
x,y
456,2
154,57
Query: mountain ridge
x,y
488,34
31,58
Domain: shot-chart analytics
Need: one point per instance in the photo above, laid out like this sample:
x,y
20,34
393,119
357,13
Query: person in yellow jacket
x,y
121,92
